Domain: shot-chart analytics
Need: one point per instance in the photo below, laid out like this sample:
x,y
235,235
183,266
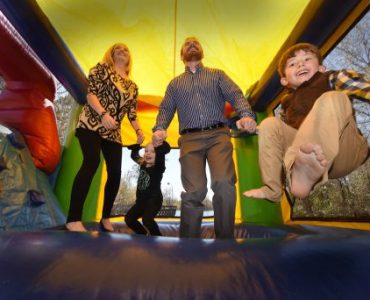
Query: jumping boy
x,y
316,137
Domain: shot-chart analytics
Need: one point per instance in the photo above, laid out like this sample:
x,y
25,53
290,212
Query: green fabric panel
x,y
69,166
27,201
253,210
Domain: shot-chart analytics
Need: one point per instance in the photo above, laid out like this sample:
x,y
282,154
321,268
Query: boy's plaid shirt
x,y
352,83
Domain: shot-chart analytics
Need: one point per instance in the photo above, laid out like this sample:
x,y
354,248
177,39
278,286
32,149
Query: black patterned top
x,y
117,95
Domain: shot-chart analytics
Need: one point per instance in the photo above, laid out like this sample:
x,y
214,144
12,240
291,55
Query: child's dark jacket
x,y
149,181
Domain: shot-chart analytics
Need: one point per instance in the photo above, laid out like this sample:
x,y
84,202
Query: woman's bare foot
x,y
255,193
75,226
309,165
106,225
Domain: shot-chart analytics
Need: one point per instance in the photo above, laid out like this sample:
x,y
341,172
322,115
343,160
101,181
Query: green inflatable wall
x,y
257,211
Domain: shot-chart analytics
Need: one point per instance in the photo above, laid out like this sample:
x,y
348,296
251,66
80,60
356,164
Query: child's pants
x,y
147,210
330,123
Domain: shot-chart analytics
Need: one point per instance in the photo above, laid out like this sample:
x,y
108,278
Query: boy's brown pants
x,y
330,123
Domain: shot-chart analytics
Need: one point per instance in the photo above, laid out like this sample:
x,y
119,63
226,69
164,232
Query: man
x,y
198,96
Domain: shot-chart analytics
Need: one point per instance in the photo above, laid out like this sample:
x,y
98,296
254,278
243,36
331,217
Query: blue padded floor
x,y
271,263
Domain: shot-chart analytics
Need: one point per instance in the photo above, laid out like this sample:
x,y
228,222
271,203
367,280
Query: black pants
x,y
147,210
91,144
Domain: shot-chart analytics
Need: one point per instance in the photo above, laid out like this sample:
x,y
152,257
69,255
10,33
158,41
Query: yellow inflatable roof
x,y
240,37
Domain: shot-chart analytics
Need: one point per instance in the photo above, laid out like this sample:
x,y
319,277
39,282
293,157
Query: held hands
x,y
140,136
247,124
158,137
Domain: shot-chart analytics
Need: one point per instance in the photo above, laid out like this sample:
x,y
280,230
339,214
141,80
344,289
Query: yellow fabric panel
x,y
147,121
100,202
238,213
89,27
240,37
285,209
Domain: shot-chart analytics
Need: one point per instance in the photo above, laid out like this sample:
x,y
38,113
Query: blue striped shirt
x,y
199,99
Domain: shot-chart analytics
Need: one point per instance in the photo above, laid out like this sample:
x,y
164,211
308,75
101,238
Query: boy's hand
x,y
247,124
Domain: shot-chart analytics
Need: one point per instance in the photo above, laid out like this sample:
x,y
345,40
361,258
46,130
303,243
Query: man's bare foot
x,y
106,225
255,193
309,165
75,226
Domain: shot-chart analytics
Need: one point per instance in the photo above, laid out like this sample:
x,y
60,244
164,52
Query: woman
x,y
111,95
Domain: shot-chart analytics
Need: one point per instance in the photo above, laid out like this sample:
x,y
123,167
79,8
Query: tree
x,y
168,197
127,192
354,52
2,84
207,204
64,105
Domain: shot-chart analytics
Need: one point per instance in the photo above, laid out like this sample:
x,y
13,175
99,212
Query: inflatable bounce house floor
x,y
40,260
263,263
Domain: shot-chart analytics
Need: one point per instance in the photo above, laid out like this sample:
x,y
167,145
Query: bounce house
x,y
288,250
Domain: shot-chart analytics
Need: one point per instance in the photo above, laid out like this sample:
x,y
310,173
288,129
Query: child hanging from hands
x,y
149,196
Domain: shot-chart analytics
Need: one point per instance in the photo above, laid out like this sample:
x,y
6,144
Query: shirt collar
x,y
199,67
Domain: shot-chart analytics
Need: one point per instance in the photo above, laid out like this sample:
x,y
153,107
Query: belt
x,y
198,129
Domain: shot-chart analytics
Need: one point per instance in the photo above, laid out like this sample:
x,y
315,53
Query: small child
x,y
149,196
316,137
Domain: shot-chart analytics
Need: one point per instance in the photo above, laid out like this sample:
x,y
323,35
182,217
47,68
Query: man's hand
x,y
159,136
247,124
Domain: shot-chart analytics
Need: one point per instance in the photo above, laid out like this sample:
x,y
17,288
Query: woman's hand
x,y
108,122
140,136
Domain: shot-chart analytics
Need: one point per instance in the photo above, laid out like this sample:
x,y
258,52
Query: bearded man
x,y
198,96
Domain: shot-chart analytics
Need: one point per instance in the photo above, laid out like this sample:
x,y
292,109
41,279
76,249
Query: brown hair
x,y
291,51
183,45
142,161
108,56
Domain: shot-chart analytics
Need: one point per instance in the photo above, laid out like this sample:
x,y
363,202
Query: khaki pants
x,y
213,146
330,124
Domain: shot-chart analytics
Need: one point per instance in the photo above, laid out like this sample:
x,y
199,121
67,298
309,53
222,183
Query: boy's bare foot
x,y
309,166
75,226
263,193
255,193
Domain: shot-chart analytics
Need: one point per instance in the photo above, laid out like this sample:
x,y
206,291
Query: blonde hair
x,y
108,56
291,52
